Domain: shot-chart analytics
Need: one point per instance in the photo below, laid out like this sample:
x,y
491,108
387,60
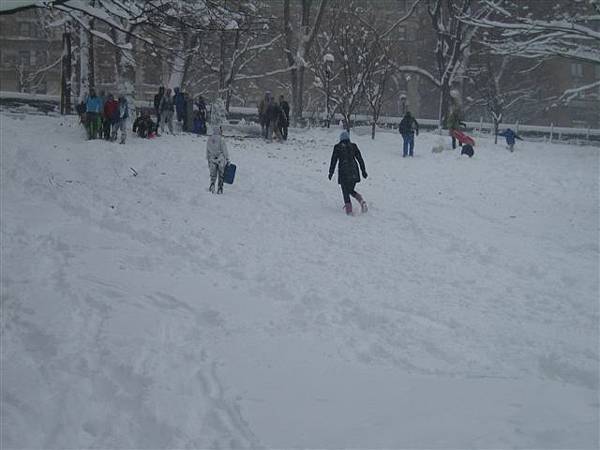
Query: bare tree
x,y
499,86
298,44
552,30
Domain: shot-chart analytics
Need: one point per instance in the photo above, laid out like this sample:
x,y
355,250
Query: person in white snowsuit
x,y
218,157
121,122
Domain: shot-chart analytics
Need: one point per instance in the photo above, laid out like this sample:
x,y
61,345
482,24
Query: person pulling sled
x,y
218,158
349,158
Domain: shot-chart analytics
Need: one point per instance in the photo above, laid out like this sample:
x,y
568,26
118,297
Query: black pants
x,y
157,120
284,131
454,143
348,190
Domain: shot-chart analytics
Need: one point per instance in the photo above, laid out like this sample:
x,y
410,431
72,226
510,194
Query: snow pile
x,y
140,311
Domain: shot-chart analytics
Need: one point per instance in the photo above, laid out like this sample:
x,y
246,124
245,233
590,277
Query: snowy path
x,y
143,312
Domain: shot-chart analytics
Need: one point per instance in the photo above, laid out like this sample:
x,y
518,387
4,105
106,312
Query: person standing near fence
x,y
93,106
157,99
284,118
167,108
121,120
407,128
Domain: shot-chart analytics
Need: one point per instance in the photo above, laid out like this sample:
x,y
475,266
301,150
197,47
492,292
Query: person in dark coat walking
x,y
349,158
510,136
179,100
408,127
284,118
157,98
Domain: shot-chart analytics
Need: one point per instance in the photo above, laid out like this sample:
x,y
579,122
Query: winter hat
x,y
344,136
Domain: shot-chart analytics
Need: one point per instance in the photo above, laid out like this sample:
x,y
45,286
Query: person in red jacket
x,y
111,113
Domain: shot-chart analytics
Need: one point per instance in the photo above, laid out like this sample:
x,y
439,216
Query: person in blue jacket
x,y
93,107
510,136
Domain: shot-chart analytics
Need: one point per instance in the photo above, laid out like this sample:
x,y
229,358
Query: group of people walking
x,y
176,104
274,117
104,117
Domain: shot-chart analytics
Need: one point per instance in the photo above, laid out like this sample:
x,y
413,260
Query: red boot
x,y
363,204
348,208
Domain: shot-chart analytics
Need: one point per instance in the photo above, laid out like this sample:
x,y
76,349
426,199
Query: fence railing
x,y
549,132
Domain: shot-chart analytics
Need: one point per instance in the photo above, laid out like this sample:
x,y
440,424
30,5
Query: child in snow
x,y
218,158
349,158
510,136
144,126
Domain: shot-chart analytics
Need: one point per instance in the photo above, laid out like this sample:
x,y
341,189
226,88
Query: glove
x,y
330,175
365,175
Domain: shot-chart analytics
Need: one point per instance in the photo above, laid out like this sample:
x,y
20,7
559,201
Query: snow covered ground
x,y
140,311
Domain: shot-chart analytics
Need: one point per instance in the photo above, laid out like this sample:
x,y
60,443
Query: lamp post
x,y
328,59
403,104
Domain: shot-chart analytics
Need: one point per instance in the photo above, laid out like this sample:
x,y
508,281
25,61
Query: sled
x,y
462,137
229,174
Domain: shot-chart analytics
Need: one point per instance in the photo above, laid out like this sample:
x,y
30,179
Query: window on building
x,y
9,59
577,70
24,58
24,29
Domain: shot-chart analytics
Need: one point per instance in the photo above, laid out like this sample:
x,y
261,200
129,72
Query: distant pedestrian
x,y
110,116
453,123
167,108
407,128
157,99
218,157
263,111
188,113
121,121
510,137
179,101
93,107
274,113
284,118
349,158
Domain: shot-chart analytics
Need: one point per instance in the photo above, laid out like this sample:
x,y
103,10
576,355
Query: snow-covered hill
x,y
140,311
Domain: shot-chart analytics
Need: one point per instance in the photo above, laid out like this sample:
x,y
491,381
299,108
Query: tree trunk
x,y
373,130
91,72
495,129
125,68
444,105
84,64
65,98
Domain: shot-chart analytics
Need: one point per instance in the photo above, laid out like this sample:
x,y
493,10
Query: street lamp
x,y
328,59
403,103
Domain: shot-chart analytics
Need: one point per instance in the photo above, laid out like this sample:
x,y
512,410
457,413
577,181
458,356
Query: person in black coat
x,y
408,126
157,98
349,158
284,118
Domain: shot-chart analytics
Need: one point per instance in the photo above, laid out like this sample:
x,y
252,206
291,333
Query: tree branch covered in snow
x,y
567,32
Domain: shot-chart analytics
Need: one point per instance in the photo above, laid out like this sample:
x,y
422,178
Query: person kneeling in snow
x,y
348,155
144,126
218,158
510,136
